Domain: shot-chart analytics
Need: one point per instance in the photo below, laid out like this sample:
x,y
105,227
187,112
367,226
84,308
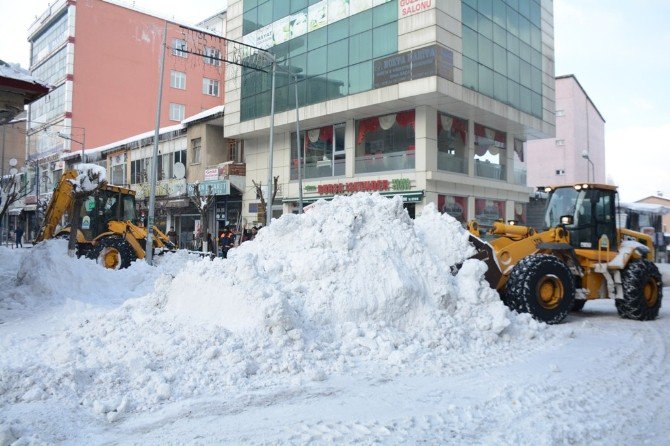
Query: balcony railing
x,y
382,162
451,163
319,169
487,169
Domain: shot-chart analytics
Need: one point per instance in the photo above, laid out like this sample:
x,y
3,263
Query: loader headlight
x,y
511,222
547,189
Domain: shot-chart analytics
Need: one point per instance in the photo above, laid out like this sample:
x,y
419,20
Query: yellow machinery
x,y
107,231
581,256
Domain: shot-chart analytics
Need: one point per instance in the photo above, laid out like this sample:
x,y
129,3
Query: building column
x,y
509,144
471,152
471,208
350,148
425,139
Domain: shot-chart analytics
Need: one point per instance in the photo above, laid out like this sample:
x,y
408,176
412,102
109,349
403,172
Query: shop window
x,y
520,167
490,153
455,206
452,135
488,211
323,152
385,143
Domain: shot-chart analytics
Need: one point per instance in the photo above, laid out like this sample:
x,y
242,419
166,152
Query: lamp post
x,y
82,143
585,155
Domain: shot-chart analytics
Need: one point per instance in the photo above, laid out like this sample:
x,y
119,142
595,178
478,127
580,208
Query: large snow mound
x,y
353,280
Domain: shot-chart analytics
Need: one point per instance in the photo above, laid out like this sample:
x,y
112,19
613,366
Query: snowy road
x,y
605,380
289,341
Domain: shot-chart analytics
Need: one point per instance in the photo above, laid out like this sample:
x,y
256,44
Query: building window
x,y
560,172
180,157
489,211
560,142
179,48
455,206
452,144
196,147
138,171
178,80
210,87
490,153
385,143
323,152
212,56
177,112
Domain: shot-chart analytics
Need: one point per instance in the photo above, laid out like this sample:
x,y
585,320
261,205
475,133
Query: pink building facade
x,y
580,128
103,61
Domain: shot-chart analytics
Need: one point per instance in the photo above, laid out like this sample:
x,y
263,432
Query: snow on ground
x,y
341,325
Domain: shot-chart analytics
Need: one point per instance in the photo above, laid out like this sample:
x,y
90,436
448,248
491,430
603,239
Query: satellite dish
x,y
179,170
13,162
13,171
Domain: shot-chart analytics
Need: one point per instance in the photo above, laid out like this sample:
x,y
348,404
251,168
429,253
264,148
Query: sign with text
x,y
410,7
398,184
433,60
212,174
220,187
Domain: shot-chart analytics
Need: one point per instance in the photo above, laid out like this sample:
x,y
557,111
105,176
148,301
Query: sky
x,y
616,49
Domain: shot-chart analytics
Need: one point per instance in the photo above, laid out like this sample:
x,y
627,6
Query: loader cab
x,y
105,205
592,208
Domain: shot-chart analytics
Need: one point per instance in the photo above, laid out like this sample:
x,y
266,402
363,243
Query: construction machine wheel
x,y
578,304
543,286
642,291
113,253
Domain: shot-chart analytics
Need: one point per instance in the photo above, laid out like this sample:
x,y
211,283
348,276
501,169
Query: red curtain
x,y
405,118
366,126
326,133
461,127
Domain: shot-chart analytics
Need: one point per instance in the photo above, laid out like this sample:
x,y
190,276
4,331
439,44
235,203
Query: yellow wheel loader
x,y
107,217
580,256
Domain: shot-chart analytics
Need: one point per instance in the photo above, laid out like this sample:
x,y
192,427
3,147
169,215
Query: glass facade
x,y
502,51
323,150
385,143
452,146
490,153
332,58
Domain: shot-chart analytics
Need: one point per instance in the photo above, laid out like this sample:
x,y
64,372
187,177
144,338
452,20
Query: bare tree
x,y
262,209
12,190
203,203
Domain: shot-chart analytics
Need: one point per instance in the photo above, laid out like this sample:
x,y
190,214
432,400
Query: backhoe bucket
x,y
486,254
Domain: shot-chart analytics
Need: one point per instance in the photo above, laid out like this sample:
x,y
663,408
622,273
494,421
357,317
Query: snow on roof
x,y
122,142
647,207
14,71
204,114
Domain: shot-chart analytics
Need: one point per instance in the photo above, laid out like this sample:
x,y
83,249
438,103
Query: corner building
x,y
428,99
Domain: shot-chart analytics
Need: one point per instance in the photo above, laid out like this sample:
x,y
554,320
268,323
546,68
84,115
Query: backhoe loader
x,y
108,232
580,256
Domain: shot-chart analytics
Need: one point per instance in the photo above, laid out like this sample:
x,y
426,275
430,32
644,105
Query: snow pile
x,y
89,178
351,282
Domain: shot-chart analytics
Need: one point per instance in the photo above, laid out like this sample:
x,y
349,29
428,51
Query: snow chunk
x,y
89,178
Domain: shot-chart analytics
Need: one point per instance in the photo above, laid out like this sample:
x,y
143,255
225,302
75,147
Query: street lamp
x,y
83,143
585,155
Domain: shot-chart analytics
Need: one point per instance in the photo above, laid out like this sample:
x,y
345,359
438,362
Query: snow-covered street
x,y
342,326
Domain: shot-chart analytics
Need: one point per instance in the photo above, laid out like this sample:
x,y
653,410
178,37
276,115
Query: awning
x,y
30,208
14,211
407,197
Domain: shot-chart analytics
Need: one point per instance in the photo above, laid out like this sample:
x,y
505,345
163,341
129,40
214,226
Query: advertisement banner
x,y
298,25
337,10
317,16
281,30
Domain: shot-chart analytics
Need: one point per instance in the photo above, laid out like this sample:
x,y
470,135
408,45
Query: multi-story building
x,y
428,99
103,60
192,153
577,153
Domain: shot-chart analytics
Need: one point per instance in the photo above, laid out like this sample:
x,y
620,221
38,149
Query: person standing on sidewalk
x,y
19,236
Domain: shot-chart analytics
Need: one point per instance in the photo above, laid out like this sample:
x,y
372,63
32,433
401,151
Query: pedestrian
x,y
210,243
172,235
19,236
226,241
254,231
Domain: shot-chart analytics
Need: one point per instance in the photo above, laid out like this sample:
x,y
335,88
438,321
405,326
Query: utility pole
x,y
268,200
154,168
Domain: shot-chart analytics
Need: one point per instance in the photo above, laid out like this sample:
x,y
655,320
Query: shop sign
x,y
433,60
212,174
220,187
397,184
410,7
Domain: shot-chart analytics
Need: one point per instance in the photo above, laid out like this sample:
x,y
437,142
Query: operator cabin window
x,y
179,48
178,80
196,146
177,112
212,56
210,87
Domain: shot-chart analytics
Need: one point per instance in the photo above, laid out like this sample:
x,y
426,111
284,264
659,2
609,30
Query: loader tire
x,y
543,286
642,291
113,253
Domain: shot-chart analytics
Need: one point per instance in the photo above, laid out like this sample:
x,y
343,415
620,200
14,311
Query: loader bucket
x,y
486,254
